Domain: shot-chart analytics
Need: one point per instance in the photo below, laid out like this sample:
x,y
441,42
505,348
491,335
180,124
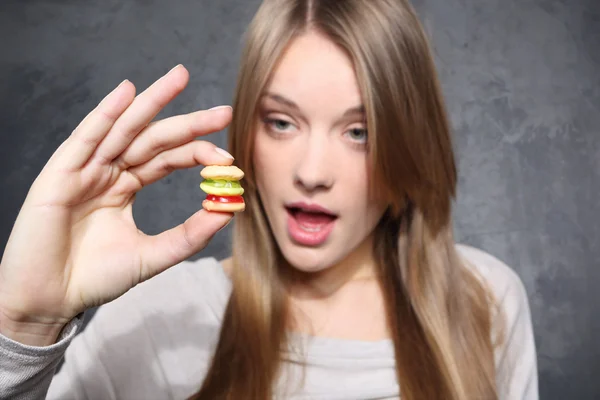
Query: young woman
x,y
345,281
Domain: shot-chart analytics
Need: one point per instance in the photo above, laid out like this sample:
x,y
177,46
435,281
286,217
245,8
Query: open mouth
x,y
311,221
310,226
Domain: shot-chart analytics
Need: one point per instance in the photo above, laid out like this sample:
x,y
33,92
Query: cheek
x,y
357,176
375,195
364,204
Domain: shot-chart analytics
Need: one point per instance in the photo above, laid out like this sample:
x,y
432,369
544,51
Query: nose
x,y
315,169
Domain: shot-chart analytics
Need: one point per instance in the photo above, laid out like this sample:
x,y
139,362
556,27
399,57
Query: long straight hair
x,y
438,310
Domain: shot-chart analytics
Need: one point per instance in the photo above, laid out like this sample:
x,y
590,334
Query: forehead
x,y
314,71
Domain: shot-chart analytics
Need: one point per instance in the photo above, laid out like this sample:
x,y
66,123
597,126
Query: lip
x,y
311,207
311,237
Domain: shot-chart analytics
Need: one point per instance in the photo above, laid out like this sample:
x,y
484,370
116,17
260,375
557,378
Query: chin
x,y
309,244
310,259
314,243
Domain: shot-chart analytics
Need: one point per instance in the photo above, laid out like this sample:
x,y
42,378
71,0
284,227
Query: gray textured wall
x,y
522,79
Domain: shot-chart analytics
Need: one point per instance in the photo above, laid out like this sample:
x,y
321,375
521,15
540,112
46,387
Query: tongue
x,y
313,219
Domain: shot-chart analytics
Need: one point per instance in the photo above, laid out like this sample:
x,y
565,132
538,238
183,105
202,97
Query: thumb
x,y
170,247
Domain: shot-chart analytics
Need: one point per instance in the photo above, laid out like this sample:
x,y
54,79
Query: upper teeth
x,y
310,228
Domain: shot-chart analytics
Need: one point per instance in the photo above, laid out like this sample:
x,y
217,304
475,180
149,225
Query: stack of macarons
x,y
224,192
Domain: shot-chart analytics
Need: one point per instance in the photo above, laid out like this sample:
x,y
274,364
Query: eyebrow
x,y
360,110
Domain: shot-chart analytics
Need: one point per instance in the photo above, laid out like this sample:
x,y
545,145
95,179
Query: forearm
x,y
26,371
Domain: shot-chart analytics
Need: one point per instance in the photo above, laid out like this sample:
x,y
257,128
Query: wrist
x,y
29,332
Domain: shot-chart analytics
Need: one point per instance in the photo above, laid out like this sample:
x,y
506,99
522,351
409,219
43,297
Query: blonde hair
x,y
438,311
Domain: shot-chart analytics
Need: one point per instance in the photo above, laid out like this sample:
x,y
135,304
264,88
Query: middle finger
x,y
139,114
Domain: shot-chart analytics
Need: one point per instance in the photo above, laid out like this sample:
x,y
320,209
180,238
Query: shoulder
x,y
510,307
501,279
512,327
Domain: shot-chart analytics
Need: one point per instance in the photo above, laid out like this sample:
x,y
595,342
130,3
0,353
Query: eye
x,y
278,125
358,135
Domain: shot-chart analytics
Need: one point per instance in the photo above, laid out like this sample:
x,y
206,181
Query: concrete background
x,y
522,80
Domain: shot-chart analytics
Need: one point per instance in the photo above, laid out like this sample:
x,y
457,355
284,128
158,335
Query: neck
x,y
359,265
343,301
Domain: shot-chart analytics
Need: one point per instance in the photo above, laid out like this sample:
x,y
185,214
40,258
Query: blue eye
x,y
358,135
278,125
281,125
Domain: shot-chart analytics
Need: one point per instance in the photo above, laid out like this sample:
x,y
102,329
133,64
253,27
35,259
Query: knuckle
x,y
137,179
121,163
191,125
106,114
174,248
187,241
164,165
180,243
86,140
156,142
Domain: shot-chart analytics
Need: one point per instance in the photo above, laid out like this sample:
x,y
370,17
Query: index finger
x,y
173,132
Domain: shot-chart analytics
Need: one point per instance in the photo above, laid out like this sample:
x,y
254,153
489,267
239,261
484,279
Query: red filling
x,y
225,199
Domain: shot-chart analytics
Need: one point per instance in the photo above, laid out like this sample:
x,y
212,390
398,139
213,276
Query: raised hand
x,y
75,244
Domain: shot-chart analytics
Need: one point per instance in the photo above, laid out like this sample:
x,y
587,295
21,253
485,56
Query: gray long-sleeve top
x,y
156,341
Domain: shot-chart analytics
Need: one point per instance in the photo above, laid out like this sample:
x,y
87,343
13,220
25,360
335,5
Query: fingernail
x,y
122,83
175,67
220,108
223,152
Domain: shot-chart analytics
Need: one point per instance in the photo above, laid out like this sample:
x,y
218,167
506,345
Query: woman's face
x,y
310,156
